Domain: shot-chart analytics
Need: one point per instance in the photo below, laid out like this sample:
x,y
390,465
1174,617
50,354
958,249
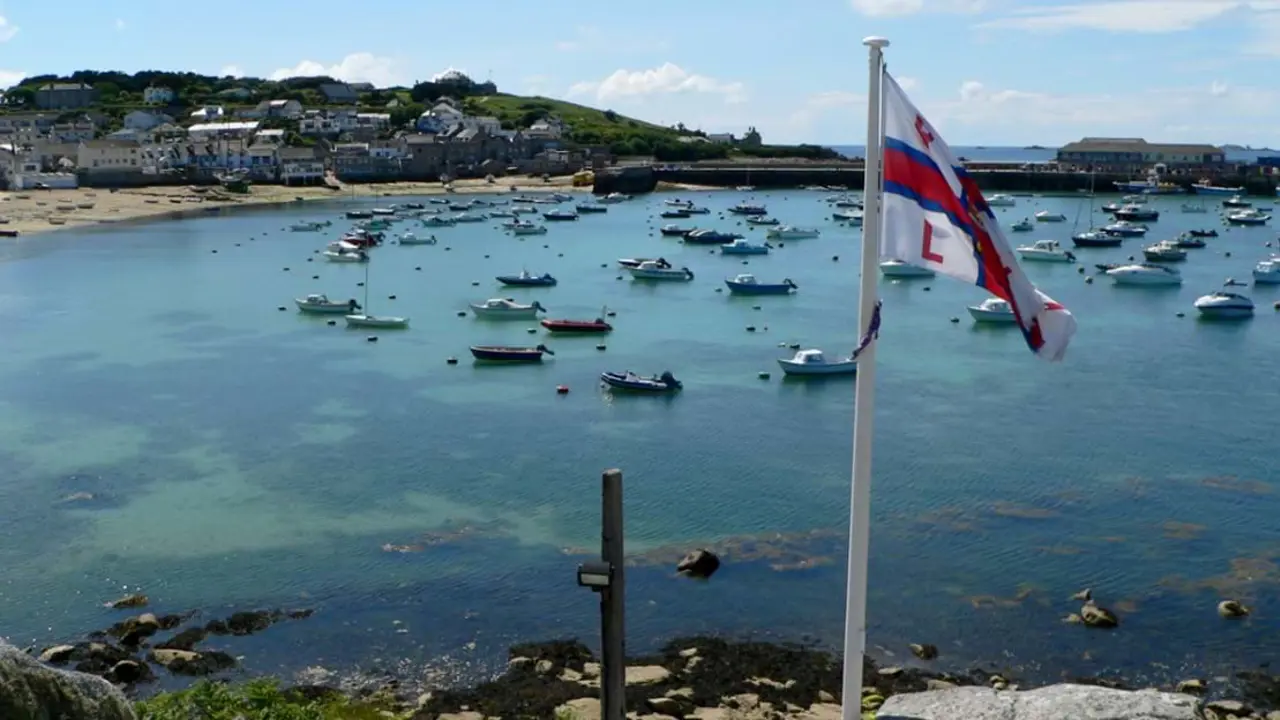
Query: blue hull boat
x,y
526,280
629,381
506,353
748,285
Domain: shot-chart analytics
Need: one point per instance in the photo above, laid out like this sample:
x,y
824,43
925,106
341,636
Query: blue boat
x,y
560,215
742,247
524,279
748,209
710,237
507,353
761,220
746,284
1206,188
664,383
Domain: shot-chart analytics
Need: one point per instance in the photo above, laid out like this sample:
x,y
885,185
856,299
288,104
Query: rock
x,y
579,709
29,689
1056,702
699,564
1232,609
1073,619
647,674
1229,707
516,662
688,652
570,675
925,651
1273,715
591,670
543,667
129,601
189,662
1098,617
891,671
936,684
1084,595
185,640
130,672
97,658
667,706
1192,686
57,655
826,697
244,622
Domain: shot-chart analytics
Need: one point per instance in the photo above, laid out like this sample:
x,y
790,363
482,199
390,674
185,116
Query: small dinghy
x,y
411,239
710,237
437,221
321,305
659,270
627,380
993,310
813,362
525,279
1023,225
506,309
742,247
524,227
1188,241
761,220
561,325
508,353
382,322
469,217
342,256
1047,216
747,284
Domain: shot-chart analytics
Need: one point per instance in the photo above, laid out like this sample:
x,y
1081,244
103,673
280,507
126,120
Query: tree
x,y
406,114
611,116
22,95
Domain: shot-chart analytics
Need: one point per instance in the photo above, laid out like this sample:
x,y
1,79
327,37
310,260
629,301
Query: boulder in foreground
x,y
29,689
1056,702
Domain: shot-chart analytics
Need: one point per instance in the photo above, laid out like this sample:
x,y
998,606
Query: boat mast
x,y
366,288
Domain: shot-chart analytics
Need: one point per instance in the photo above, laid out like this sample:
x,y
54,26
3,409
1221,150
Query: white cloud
x,y
356,67
892,8
1218,89
7,29
9,78
1135,16
120,24
667,79
231,70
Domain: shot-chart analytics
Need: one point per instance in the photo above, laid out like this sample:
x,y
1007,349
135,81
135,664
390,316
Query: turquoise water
x,y
243,456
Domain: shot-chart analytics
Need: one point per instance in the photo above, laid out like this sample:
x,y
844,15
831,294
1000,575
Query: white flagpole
x,y
855,619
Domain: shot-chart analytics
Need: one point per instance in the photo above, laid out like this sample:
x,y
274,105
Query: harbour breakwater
x,y
643,179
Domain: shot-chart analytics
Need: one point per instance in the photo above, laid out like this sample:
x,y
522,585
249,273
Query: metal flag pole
x,y
855,619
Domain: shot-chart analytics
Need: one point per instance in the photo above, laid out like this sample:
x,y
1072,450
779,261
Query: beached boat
x,y
506,309
676,230
814,362
509,353
525,279
627,380
710,237
744,208
659,270
791,232
761,220
903,269
741,246
559,215
993,310
747,284
321,304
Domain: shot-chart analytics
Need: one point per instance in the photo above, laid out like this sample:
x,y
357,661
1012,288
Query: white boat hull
x,y
338,257
905,271
1266,278
489,313
540,230
1035,255
418,241
671,274
377,321
1144,279
792,235
837,367
992,316
331,309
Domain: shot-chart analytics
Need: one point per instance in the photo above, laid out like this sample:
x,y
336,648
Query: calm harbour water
x,y
241,456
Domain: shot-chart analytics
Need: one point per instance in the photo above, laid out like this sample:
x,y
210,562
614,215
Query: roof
x,y
223,126
66,86
110,143
1136,145
297,153
277,103
420,138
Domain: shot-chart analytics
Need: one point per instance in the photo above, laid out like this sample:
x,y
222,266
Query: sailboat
x,y
363,319
1093,237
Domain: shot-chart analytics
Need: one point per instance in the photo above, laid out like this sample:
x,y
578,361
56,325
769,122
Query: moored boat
x,y
1045,251
761,220
993,310
814,362
1267,272
310,225
1144,274
525,227
559,215
437,221
1249,216
1188,241
742,246
679,214
1164,251
1023,225
468,217
1205,187
1048,216
1124,228
1235,201
561,325
676,230
849,216
586,208
321,304
632,262
1134,211
358,214
509,353
525,279
343,256
710,237
409,238
627,380
1203,233
1000,200
506,309
745,208
1096,238
747,284
659,270
903,269
379,322
1224,305
790,232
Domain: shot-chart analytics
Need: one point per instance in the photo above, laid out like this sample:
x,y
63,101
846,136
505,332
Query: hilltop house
x,y
65,96
291,109
548,128
205,131
158,94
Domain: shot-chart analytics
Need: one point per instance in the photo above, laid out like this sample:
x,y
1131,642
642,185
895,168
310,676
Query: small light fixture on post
x,y
595,575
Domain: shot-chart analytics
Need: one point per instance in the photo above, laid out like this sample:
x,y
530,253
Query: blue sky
x,y
986,72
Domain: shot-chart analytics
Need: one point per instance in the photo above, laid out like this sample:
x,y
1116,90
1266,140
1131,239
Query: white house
x,y
73,131
103,155
446,114
376,121
490,125
548,128
291,109
300,166
208,112
721,138
319,123
157,94
269,137
145,119
204,131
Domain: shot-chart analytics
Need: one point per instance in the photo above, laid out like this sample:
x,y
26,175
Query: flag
x,y
873,332
934,216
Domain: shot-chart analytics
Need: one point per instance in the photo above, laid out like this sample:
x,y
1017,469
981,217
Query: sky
x,y
985,72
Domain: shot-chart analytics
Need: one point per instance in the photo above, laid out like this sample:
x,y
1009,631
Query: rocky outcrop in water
x,y
29,689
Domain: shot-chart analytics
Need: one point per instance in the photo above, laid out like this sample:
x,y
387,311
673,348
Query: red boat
x,y
577,326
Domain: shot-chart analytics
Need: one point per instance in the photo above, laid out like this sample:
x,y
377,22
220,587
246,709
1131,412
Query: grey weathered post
x,y
613,671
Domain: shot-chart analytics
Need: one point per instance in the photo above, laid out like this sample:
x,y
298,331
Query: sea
x,y
1038,154
171,424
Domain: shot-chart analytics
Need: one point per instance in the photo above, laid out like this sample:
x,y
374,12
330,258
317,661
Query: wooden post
x,y
613,670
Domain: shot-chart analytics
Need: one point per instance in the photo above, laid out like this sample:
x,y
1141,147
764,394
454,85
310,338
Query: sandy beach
x,y
38,211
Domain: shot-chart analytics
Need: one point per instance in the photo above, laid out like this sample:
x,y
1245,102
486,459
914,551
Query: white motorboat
x,y
438,221
321,304
903,269
1224,305
1135,199
1000,200
696,210
1124,228
632,262
468,217
993,310
1189,208
1145,274
343,256
1267,272
506,309
790,232
614,197
853,217
310,225
1251,216
1045,251
409,238
1164,251
1046,216
524,227
742,246
1236,201
1134,211
848,203
677,202
500,214
814,362
382,322
1023,225
524,209
654,270
342,246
